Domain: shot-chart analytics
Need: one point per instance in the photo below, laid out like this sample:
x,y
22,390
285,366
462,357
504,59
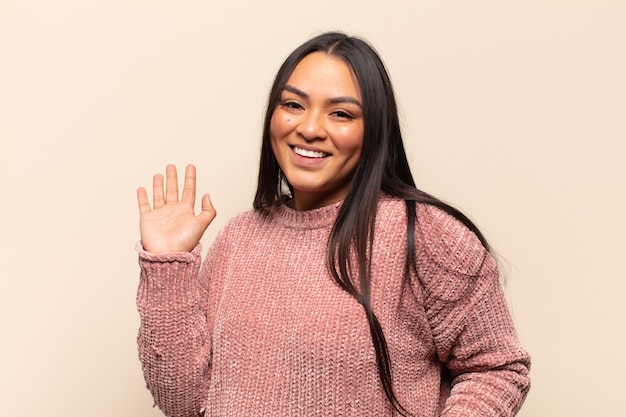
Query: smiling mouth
x,y
309,154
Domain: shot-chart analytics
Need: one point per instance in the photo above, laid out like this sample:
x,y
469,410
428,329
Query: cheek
x,y
351,139
280,125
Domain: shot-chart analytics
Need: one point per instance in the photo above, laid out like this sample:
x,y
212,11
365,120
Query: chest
x,y
282,298
277,298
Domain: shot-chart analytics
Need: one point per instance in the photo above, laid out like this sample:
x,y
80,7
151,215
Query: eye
x,y
293,105
341,114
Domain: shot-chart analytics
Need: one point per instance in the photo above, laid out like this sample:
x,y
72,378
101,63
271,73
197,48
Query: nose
x,y
312,126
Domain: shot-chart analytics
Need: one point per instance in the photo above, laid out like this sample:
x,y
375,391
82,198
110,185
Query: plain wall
x,y
514,111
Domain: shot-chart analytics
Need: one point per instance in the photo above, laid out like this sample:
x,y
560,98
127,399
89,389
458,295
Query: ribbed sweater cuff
x,y
168,272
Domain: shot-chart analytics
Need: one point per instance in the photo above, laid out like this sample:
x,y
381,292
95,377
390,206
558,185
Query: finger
x,y
158,199
142,200
208,212
189,186
171,184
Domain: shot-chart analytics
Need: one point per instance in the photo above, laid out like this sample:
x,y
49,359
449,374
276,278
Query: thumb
x,y
208,212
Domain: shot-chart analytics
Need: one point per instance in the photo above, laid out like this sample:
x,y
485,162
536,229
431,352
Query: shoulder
x,y
249,217
448,255
440,237
245,223
239,228
446,241
451,260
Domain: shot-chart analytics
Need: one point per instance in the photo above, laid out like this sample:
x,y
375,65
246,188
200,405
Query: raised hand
x,y
171,225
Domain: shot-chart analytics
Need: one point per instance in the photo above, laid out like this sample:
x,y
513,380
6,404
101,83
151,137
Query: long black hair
x,y
383,167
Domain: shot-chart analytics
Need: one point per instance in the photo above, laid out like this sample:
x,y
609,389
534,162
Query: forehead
x,y
320,72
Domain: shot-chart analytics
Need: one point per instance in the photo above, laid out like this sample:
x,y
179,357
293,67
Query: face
x,y
316,130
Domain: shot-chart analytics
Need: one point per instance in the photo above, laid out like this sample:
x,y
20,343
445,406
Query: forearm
x,y
173,342
490,369
497,393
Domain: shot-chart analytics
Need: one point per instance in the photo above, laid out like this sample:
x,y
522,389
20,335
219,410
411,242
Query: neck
x,y
308,201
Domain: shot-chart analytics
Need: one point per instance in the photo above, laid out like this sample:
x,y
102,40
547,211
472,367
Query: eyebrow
x,y
332,100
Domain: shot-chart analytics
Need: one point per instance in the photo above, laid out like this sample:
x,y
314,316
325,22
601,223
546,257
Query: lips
x,y
308,153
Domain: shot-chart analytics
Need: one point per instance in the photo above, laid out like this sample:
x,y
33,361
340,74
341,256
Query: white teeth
x,y
309,154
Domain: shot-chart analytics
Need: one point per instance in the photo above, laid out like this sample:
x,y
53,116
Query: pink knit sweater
x,y
262,329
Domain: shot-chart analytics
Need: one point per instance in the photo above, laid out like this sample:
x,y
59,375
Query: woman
x,y
346,291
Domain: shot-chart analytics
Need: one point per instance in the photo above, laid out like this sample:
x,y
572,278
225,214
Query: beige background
x,y
514,111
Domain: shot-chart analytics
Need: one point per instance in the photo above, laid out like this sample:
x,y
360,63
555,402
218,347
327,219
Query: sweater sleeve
x,y
173,341
488,366
471,325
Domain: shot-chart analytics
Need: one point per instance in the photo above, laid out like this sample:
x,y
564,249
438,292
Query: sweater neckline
x,y
318,218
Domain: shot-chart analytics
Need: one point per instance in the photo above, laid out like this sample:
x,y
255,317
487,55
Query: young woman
x,y
345,292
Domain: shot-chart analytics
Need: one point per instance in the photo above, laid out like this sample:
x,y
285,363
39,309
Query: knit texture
x,y
261,329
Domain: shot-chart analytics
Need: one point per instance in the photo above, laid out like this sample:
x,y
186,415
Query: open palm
x,y
171,224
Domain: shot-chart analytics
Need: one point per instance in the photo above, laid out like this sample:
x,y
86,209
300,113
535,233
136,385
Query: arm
x,y
488,366
471,326
173,338
173,342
